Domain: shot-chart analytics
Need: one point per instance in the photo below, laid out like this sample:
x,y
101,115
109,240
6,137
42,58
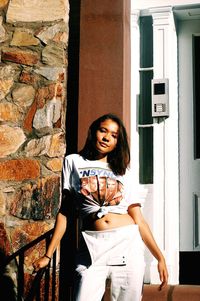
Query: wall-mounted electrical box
x,y
160,97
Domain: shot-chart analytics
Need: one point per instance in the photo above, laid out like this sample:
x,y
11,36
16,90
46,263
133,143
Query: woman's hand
x,y
41,263
59,230
150,242
163,273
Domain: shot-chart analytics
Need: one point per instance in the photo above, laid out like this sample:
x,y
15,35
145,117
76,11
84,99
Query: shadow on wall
x,y
73,77
17,284
8,289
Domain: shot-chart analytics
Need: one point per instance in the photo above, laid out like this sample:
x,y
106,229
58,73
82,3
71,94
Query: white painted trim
x,y
166,177
161,207
134,139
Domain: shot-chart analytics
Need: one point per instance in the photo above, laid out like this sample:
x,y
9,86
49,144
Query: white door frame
x,y
162,197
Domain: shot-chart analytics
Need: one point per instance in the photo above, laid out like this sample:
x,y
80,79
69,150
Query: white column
x,y
145,191
166,185
135,54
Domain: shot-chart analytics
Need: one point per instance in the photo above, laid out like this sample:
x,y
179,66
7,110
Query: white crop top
x,y
96,187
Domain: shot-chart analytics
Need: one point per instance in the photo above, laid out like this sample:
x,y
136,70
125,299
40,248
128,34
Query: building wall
x,y
169,201
104,72
34,38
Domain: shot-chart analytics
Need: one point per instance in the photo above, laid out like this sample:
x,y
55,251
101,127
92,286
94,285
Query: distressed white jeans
x,y
116,254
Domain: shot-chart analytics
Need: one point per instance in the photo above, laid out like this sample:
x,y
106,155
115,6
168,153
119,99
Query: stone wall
x,y
33,40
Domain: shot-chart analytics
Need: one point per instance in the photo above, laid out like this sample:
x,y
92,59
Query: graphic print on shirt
x,y
100,186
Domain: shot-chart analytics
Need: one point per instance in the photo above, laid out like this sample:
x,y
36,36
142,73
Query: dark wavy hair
x,y
119,158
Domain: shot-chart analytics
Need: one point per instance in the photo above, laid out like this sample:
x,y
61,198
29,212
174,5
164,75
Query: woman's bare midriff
x,y
111,220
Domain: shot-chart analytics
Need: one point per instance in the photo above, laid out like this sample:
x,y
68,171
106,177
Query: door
x,y
189,140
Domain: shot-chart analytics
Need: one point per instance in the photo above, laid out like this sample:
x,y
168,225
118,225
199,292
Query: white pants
x,y
116,254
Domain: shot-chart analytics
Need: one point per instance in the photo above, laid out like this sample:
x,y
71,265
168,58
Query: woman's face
x,y
106,137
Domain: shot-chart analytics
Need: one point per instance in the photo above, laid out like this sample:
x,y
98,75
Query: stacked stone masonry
x,y
33,63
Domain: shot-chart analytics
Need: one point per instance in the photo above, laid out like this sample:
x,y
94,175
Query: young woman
x,y
113,228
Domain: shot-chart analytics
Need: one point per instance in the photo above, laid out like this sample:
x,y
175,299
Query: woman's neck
x,y
104,159
101,158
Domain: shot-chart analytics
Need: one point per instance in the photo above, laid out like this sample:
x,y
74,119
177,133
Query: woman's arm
x,y
59,230
150,242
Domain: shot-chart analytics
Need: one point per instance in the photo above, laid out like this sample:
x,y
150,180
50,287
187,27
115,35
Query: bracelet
x,y
45,255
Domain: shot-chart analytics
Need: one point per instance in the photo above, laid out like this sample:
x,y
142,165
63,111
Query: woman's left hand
x,y
163,273
150,242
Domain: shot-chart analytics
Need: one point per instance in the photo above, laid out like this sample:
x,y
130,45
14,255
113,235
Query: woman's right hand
x,y
59,230
40,263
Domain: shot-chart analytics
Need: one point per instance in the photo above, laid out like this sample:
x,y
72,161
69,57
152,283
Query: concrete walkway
x,y
172,293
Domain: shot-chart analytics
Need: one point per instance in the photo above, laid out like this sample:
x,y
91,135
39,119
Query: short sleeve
x,y
67,171
131,189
